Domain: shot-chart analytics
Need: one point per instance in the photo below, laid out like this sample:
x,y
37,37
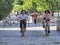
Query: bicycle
x,y
47,28
23,31
23,27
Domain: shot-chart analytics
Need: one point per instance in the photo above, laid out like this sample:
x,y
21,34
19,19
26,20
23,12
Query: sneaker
x,y
43,26
48,31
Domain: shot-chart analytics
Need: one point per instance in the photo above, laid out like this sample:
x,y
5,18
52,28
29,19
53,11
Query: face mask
x,y
23,12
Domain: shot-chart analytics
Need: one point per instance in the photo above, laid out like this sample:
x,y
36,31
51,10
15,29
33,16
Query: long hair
x,y
47,11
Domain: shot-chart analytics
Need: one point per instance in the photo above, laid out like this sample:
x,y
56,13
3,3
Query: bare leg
x,y
48,27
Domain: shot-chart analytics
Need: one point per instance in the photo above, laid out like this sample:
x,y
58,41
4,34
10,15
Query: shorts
x,y
46,19
22,23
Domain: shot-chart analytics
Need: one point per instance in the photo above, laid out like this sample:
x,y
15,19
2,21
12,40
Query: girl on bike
x,y
46,19
23,18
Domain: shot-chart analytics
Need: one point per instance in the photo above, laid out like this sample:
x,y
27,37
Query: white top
x,y
22,17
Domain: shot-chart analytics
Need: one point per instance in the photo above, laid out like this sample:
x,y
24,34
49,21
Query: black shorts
x,y
23,23
46,19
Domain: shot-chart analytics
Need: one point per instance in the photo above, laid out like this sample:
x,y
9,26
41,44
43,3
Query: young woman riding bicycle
x,y
22,19
46,21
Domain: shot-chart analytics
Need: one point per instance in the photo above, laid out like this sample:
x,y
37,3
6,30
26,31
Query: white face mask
x,y
23,12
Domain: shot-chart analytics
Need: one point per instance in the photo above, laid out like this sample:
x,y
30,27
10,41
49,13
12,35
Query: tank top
x,y
47,16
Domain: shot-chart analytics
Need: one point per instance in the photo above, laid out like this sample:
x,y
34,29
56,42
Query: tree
x,y
5,8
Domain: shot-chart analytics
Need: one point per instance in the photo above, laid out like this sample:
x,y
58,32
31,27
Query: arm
x,y
26,17
18,19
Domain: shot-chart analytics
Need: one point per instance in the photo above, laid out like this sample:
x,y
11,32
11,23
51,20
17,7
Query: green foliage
x,y
5,7
38,5
31,5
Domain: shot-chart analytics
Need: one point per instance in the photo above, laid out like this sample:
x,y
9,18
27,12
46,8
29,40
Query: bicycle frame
x,y
23,31
47,28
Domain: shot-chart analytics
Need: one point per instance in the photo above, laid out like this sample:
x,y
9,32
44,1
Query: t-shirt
x,y
35,15
22,17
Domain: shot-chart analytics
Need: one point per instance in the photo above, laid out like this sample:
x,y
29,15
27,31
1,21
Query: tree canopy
x,y
7,6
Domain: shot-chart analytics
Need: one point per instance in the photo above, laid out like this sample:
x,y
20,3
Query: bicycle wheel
x,y
22,32
46,28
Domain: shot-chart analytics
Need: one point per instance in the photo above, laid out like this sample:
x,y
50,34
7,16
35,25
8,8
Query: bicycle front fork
x,y
23,31
47,30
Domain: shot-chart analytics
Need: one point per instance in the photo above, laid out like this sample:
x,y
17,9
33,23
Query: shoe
x,y
43,26
49,31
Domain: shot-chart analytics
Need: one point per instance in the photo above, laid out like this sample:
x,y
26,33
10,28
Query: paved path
x,y
33,36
